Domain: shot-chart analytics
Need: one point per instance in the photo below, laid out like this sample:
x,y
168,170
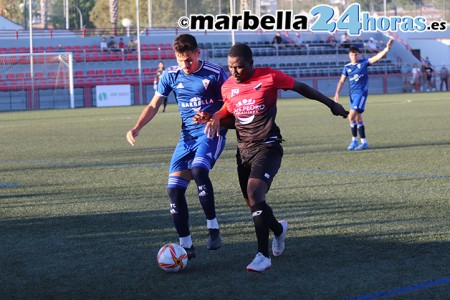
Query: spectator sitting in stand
x,y
121,44
331,40
278,41
345,41
112,46
371,46
103,45
131,45
297,40
287,39
358,44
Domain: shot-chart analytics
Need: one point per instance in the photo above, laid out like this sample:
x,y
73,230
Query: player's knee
x,y
200,173
173,192
255,194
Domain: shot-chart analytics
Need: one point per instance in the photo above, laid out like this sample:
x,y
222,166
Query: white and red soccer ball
x,y
172,258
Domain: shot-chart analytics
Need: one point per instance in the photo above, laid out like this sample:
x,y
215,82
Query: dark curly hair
x,y
241,50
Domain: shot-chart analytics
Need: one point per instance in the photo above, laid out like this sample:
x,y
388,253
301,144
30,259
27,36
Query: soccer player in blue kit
x,y
357,73
196,85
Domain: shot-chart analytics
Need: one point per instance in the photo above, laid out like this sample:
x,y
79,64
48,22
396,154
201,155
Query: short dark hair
x,y
353,49
242,51
184,43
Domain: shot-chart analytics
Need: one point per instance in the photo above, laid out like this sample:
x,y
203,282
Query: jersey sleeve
x,y
282,81
164,84
344,72
365,62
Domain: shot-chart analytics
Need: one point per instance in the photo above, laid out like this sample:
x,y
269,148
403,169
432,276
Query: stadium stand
x,y
316,63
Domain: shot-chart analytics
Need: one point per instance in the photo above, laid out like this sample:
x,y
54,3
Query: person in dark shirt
x,y
250,94
158,75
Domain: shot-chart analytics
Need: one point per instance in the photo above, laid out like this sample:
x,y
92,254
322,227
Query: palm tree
x,y
44,14
114,14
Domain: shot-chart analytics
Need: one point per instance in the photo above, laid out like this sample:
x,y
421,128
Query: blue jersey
x,y
358,76
197,91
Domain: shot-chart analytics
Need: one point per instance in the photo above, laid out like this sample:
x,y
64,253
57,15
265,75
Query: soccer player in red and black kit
x,y
250,94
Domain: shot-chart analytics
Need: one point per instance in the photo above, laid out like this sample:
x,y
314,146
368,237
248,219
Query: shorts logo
x,y
267,175
256,213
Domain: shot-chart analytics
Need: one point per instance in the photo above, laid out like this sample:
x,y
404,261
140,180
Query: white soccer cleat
x,y
279,241
260,263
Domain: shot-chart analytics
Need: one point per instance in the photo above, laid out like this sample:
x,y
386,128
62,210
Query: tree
x,y
114,14
44,14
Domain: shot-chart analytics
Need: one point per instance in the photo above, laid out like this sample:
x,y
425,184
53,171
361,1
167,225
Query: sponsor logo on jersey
x,y
258,86
248,107
356,77
234,92
196,103
245,102
245,121
180,86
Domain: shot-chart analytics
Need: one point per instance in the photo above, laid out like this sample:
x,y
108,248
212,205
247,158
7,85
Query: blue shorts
x,y
196,152
358,102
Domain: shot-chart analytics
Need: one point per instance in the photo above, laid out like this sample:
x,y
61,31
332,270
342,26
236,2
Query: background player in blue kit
x,y
196,85
357,73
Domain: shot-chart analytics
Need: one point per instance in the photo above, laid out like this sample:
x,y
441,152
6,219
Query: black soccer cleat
x,y
214,239
190,252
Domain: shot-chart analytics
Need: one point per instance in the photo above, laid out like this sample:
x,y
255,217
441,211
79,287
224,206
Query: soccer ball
x,y
172,258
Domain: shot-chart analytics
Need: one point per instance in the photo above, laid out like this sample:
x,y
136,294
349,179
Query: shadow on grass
x,y
113,256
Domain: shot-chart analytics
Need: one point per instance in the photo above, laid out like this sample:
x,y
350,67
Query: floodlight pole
x,y
138,33
30,21
81,16
66,13
233,40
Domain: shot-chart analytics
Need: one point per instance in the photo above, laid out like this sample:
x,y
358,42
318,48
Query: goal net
x,y
36,81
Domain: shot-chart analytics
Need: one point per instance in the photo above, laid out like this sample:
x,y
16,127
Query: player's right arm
x,y
339,87
147,115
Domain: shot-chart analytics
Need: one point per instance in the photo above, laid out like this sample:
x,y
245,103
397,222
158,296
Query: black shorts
x,y
261,162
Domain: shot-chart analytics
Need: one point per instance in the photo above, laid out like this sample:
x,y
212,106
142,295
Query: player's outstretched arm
x,y
382,53
339,87
147,115
309,92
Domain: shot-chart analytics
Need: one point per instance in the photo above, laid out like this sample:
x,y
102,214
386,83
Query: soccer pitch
x,y
83,213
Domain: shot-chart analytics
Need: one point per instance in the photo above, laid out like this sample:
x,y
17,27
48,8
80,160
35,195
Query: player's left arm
x,y
307,91
382,53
